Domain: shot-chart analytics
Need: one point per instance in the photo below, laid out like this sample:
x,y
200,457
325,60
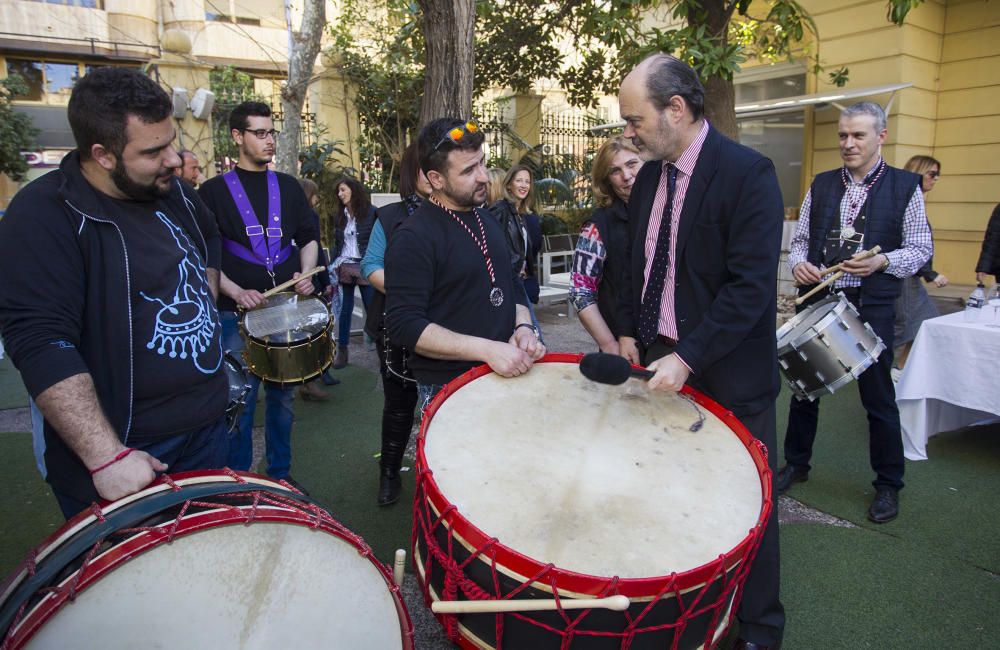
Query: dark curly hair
x,y
360,200
434,155
238,116
102,102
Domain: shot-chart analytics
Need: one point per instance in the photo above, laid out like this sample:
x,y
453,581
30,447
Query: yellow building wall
x,y
950,51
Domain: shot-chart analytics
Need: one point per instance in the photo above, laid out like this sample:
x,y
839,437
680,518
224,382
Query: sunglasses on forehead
x,y
456,134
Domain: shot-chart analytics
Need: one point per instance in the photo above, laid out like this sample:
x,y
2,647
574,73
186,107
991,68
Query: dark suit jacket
x,y
728,245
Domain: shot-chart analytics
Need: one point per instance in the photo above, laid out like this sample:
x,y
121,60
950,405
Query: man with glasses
x,y
451,295
862,204
268,237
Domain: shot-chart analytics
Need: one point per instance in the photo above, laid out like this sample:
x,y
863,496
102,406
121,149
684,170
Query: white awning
x,y
833,97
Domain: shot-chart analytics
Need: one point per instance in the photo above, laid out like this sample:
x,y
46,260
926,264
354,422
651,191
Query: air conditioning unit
x,y
548,149
180,100
202,103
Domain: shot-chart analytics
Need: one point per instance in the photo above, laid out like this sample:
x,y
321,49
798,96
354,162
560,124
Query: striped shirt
x,y
916,248
685,168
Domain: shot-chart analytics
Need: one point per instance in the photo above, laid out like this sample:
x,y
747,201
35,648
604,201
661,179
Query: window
x,y
778,136
89,4
49,82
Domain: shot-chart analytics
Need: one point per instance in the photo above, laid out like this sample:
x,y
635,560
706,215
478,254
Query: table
x,y
951,380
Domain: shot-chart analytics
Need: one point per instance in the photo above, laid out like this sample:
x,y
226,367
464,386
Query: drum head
x,y
287,318
206,561
595,479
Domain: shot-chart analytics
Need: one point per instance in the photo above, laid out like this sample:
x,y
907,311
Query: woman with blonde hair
x,y
515,210
914,306
595,278
494,191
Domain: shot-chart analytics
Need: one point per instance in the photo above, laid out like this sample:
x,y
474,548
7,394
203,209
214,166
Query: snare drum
x,y
551,486
288,339
825,347
204,560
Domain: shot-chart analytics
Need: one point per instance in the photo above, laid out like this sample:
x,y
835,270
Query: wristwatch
x,y
529,326
885,264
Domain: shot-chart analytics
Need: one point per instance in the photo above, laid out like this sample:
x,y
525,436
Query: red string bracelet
x,y
122,454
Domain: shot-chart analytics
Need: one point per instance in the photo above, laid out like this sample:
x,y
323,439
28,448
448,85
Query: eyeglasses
x,y
934,174
262,133
456,134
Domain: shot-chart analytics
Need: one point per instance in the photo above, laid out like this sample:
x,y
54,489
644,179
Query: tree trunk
x,y
449,28
302,58
720,95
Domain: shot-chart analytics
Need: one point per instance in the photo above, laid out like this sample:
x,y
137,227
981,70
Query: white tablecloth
x,y
951,380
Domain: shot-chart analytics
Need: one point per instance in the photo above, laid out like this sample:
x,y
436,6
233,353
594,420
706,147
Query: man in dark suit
x,y
700,278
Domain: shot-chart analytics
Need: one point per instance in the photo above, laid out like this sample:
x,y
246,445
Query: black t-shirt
x,y
436,273
179,383
297,226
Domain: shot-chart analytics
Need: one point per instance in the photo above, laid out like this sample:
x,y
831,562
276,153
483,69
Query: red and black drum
x,y
551,487
204,560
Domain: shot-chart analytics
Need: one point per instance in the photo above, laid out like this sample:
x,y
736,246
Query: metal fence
x,y
566,155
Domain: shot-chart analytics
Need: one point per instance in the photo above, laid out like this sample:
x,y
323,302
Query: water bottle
x,y
974,305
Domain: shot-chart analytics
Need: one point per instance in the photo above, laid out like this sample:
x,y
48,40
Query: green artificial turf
x,y
852,588
949,503
12,392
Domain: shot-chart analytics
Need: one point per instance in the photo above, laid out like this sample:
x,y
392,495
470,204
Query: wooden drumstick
x,y
292,282
616,603
399,567
863,255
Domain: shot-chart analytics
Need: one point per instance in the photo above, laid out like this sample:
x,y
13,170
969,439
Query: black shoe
x,y
389,489
742,644
885,507
788,475
329,379
295,484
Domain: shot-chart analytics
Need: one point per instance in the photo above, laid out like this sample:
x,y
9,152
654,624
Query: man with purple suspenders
x,y
261,214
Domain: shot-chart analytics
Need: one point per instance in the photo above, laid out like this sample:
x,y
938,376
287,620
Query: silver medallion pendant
x,y
848,233
496,297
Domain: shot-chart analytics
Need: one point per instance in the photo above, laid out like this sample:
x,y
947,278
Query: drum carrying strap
x,y
265,242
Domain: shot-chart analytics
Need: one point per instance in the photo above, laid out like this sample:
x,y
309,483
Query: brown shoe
x,y
312,391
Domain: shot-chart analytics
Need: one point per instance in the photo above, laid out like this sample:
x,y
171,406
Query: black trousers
x,y
878,395
397,412
761,614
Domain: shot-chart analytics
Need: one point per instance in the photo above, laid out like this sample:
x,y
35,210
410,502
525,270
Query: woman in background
x,y
398,386
355,219
595,277
494,191
914,306
511,211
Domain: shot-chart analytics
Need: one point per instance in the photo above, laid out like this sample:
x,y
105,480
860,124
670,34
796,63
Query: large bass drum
x,y
549,486
288,339
204,560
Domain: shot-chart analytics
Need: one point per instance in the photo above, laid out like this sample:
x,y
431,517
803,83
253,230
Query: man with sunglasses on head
x,y
268,237
451,295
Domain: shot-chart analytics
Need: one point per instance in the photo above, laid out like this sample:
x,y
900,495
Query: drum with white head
x,y
204,560
551,486
288,338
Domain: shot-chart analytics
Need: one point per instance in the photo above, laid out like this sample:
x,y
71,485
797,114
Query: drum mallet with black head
x,y
611,369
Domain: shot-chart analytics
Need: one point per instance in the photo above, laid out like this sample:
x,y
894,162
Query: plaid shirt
x,y
916,248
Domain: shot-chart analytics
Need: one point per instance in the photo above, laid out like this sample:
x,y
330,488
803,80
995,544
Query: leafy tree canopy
x,y
16,130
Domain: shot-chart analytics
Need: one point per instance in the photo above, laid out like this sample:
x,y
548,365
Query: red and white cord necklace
x,y
496,295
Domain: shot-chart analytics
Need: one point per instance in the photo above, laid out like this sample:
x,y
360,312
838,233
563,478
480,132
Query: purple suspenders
x,y
265,243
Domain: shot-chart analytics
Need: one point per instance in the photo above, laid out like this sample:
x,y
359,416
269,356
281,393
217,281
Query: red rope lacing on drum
x,y
457,583
166,531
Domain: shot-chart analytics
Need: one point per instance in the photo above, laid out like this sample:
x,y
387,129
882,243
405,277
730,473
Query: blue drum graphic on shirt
x,y
186,327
